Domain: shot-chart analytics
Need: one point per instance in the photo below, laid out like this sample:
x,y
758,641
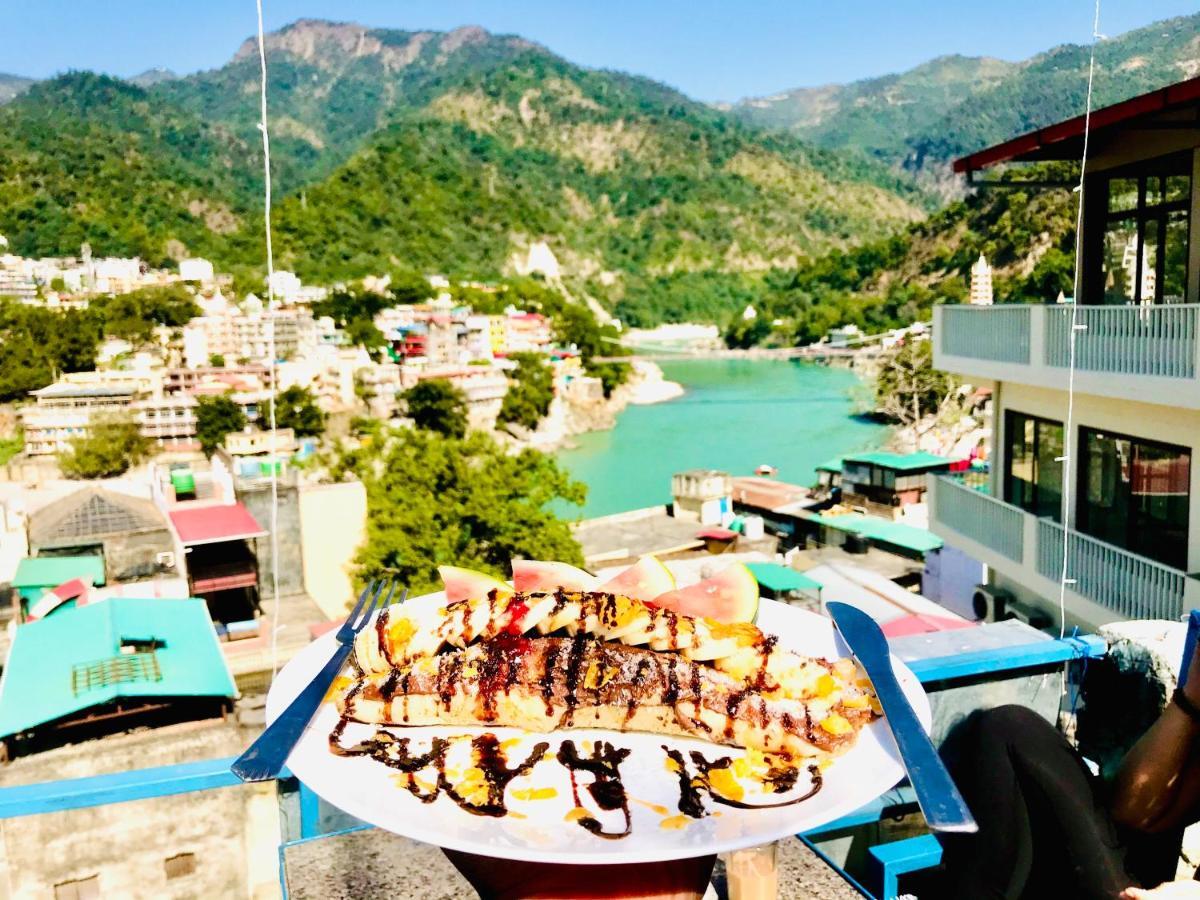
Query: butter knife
x,y
939,799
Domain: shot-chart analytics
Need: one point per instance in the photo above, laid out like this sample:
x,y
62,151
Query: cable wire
x,y
1068,425
272,457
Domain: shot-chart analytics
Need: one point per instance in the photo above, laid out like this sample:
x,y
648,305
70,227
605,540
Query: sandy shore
x,y
650,386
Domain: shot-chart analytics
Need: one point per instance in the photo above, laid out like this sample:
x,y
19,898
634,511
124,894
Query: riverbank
x,y
571,416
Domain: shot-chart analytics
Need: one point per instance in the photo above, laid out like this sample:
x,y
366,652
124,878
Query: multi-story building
x,y
245,334
65,410
526,332
1110,479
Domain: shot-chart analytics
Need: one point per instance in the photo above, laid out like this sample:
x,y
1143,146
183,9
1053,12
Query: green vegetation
x,y
437,405
434,500
953,105
453,162
10,446
37,344
216,417
133,316
908,387
296,408
1027,235
111,446
530,391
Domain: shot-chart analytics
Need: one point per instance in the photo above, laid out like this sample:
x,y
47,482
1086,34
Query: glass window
x,y
1134,494
1033,466
1144,252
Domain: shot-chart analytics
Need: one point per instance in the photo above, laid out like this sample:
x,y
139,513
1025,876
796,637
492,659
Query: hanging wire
x,y
272,458
1068,426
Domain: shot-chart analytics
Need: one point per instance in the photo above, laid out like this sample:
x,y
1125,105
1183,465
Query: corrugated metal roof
x,y
36,573
897,533
212,524
901,462
47,676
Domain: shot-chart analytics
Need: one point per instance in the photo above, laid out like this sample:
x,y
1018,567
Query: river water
x,y
737,414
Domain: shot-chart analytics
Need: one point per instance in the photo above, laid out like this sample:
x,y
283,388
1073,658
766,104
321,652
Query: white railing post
x,y
1037,337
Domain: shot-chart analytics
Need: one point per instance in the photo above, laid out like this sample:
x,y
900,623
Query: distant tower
x,y
89,274
981,282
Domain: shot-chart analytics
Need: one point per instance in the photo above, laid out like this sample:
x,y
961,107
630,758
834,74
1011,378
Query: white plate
x,y
369,790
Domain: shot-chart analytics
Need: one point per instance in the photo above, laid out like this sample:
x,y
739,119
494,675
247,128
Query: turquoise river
x,y
735,415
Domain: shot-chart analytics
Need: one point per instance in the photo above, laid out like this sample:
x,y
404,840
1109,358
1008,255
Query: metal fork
x,y
265,758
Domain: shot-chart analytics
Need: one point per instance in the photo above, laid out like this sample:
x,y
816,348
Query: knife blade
x,y
940,801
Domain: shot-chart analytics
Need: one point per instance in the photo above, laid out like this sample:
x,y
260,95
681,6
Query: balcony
x,y
1106,582
1123,352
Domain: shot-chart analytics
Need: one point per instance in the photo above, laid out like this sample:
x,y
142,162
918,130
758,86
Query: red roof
x,y
923,624
212,524
717,534
1058,141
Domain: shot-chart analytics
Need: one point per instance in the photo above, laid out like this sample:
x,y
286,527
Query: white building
x,y
981,282
1118,484
197,269
245,334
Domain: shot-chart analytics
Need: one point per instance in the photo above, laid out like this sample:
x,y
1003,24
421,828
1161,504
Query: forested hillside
x,y
922,118
435,152
1027,234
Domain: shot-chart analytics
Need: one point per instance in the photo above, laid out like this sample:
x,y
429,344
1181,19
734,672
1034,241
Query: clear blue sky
x,y
711,49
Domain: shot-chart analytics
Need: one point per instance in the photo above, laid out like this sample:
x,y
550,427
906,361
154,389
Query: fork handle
x,y
265,758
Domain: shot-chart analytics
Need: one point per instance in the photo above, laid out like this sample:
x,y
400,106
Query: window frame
x,y
1081,489
1142,214
1006,470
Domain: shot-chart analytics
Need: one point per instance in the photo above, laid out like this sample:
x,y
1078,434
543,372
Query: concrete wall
x,y
126,844
333,524
256,496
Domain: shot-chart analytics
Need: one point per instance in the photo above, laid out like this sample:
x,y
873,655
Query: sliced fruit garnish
x,y
467,584
730,596
644,580
535,575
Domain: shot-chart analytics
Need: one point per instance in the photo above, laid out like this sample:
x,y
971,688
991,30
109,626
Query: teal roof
x,y
873,527
831,465
901,462
49,664
775,577
36,573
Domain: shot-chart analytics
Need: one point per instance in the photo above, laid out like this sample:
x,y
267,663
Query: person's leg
x,y
1043,824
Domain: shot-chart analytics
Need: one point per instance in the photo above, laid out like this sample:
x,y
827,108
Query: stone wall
x,y
125,846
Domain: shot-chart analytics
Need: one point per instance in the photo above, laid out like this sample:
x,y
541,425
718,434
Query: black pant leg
x,y
1044,827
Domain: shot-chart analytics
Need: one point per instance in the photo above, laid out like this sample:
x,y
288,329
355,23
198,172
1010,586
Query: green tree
x,y
362,332
112,444
216,359
216,417
437,405
908,387
297,409
434,501
530,391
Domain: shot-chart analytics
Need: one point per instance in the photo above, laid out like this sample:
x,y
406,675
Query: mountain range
x,y
458,151
923,118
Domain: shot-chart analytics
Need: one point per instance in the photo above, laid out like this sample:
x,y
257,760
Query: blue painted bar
x,y
99,790
895,799
890,861
1003,659
310,812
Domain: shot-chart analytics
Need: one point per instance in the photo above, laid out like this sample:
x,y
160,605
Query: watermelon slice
x,y
532,575
644,580
467,584
730,596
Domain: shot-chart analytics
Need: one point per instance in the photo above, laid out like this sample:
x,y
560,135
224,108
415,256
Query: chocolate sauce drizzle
x,y
606,789
694,788
486,753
